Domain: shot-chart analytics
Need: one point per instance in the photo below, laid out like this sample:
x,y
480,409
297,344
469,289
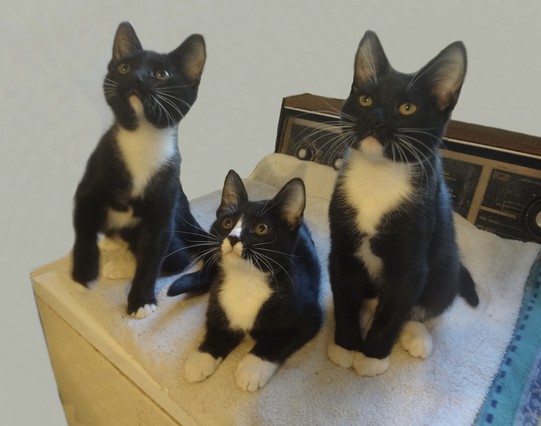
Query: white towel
x,y
447,388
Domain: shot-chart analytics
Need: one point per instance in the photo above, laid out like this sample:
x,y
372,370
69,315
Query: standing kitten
x,y
131,186
394,261
266,284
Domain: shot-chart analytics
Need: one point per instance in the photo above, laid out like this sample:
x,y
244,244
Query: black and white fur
x,y
266,284
394,261
131,186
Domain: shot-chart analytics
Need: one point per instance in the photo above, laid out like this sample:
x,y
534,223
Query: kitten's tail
x,y
189,283
467,287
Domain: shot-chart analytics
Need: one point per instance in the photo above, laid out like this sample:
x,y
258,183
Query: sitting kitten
x,y
266,284
131,185
394,261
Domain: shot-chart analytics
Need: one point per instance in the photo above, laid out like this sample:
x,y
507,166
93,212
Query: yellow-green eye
x,y
124,68
407,108
161,74
365,100
261,229
227,223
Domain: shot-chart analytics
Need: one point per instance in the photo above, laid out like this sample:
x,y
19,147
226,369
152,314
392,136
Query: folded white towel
x,y
447,388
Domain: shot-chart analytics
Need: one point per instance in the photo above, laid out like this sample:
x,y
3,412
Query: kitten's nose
x,y
375,120
233,240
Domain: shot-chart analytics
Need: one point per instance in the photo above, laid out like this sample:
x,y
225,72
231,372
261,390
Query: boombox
x,y
494,175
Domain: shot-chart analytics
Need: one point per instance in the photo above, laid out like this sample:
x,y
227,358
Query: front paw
x,y
200,365
86,266
366,366
253,372
416,339
340,356
141,305
143,311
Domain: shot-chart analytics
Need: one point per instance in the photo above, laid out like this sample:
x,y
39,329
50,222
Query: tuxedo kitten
x,y
266,284
394,261
131,186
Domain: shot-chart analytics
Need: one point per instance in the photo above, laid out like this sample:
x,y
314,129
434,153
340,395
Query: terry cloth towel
x,y
448,388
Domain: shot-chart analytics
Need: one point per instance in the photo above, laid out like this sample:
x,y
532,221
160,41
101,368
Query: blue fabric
x,y
515,395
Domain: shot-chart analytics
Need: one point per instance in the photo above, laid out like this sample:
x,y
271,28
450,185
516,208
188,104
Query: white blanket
x,y
447,388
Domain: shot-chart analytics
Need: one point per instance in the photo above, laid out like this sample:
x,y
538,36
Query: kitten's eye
x,y
261,229
407,108
365,100
227,223
124,68
161,74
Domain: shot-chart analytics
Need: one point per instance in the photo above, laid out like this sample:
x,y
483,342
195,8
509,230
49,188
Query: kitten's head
x,y
261,234
159,87
397,116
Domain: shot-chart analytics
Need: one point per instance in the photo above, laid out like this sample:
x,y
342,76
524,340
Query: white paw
x,y
144,311
118,269
253,372
199,366
416,339
340,356
365,366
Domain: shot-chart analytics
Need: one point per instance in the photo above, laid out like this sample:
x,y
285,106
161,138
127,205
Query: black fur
x,y
291,315
166,86
415,240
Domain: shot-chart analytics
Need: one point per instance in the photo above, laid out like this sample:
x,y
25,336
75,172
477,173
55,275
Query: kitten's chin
x,y
371,148
137,105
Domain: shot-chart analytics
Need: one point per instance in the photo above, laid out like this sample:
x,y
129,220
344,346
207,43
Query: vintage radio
x,y
494,175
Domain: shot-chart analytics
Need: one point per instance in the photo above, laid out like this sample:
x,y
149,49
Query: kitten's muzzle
x,y
375,120
233,240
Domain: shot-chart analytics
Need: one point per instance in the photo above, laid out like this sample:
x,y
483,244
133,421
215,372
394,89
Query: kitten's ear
x,y
190,57
233,194
291,201
446,73
370,60
126,41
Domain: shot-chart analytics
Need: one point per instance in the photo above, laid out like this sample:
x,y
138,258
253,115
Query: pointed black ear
x,y
370,60
126,41
190,57
291,200
233,194
445,74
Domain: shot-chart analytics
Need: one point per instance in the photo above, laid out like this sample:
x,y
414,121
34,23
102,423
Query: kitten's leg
x,y
347,300
88,219
374,357
416,339
272,349
217,344
151,244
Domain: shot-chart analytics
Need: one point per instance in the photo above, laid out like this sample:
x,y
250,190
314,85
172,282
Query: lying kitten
x,y
131,185
266,284
394,262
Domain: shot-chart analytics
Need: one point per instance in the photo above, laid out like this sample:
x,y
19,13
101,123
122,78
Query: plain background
x,y
52,111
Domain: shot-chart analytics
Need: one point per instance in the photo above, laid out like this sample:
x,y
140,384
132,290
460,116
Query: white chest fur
x,y
243,292
145,151
374,187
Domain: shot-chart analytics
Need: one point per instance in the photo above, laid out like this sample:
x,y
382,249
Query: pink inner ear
x,y
449,78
